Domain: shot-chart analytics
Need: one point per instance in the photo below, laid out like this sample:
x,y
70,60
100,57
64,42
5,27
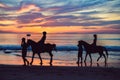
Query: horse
x,y
94,49
36,48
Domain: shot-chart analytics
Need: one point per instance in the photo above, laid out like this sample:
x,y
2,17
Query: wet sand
x,y
19,72
11,69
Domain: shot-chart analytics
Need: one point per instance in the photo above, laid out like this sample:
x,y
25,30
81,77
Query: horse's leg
x,y
77,61
106,53
90,58
85,57
40,58
99,57
104,57
27,61
81,59
32,58
24,60
51,55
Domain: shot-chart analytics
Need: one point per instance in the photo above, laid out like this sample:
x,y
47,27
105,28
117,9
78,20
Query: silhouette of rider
x,y
24,46
95,40
42,41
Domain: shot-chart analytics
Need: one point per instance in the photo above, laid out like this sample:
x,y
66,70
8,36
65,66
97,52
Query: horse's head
x,y
80,42
29,41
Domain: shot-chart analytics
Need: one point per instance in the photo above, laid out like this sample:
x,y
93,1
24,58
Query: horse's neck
x,y
86,44
33,42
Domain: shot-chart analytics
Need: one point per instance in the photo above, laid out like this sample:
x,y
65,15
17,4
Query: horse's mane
x,y
85,42
31,41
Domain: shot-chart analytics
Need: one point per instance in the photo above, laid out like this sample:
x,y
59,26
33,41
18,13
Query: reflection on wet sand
x,y
84,64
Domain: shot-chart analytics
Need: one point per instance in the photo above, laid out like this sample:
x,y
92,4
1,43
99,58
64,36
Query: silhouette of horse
x,y
36,48
94,49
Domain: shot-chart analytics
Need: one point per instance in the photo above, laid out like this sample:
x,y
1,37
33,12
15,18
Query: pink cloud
x,y
3,5
28,8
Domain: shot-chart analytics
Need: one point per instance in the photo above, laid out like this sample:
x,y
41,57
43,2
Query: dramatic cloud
x,y
88,14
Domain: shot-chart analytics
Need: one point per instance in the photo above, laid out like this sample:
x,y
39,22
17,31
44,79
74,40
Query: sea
x,y
67,50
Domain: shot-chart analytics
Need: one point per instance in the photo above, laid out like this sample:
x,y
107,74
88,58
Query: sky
x,y
60,16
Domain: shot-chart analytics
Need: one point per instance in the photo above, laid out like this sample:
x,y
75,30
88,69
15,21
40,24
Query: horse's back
x,y
95,49
37,48
100,48
48,45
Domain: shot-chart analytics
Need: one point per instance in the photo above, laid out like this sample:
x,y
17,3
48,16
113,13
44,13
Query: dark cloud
x,y
109,22
81,5
7,17
28,17
100,23
1,31
116,26
64,12
79,21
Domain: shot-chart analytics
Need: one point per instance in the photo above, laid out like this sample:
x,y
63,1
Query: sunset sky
x,y
60,16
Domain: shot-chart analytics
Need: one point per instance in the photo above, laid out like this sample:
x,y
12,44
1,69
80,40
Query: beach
x,y
64,65
18,72
11,68
59,39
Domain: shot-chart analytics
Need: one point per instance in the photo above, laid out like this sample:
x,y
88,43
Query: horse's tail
x,y
106,51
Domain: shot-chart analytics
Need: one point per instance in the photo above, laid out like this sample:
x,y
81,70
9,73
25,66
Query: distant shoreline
x,y
59,48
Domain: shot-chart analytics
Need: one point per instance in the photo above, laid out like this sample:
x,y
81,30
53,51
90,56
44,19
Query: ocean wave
x,y
59,48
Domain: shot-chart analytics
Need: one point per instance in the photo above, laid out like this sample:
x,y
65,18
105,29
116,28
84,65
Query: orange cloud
x,y
7,22
65,29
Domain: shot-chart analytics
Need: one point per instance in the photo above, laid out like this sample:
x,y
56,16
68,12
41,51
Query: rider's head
x,y
95,35
44,33
23,39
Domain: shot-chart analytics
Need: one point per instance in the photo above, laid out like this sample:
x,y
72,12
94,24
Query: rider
x,y
42,41
95,40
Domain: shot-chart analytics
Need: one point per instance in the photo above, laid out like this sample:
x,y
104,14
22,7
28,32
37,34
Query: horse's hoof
x,y
77,62
105,62
30,63
50,64
24,65
41,64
